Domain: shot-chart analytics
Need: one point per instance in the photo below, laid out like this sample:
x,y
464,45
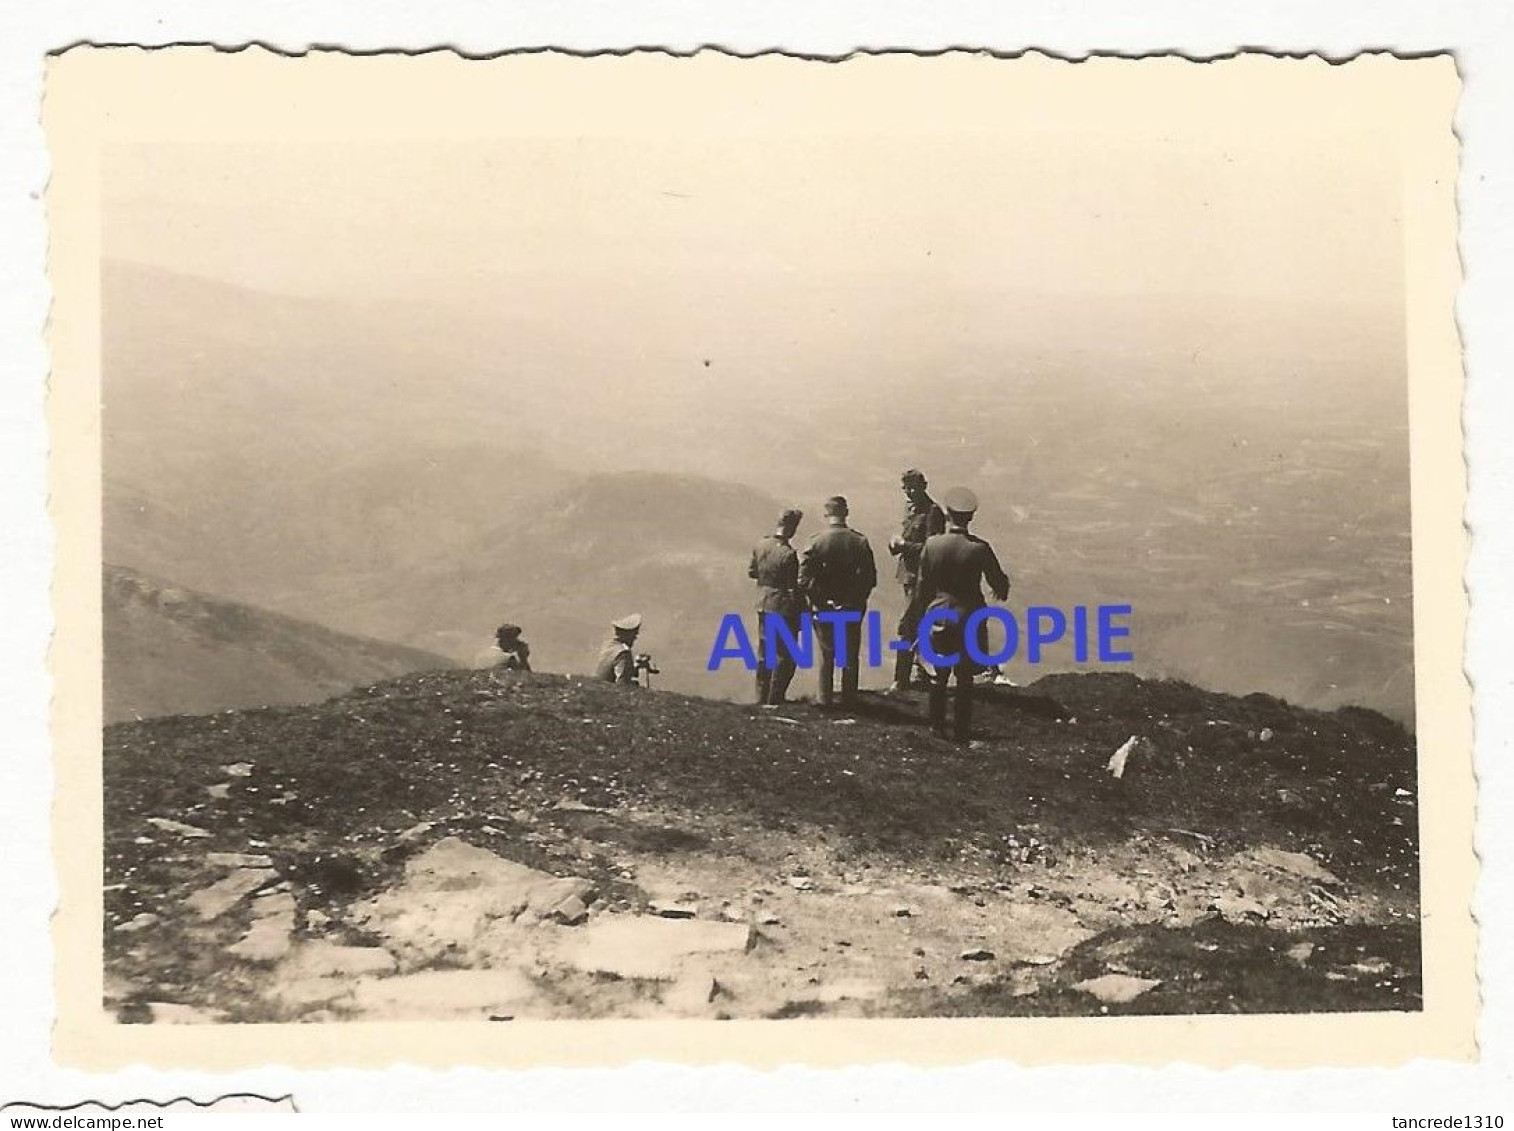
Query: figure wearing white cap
x,y
953,569
617,659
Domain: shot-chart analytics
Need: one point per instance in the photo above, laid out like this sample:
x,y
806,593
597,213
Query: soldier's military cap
x,y
627,624
959,500
913,475
509,630
791,516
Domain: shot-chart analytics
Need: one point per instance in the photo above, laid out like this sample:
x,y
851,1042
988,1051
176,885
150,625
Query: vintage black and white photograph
x,y
784,558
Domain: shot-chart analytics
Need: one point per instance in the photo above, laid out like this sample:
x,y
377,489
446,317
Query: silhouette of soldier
x,y
838,573
775,568
953,568
617,661
508,652
922,518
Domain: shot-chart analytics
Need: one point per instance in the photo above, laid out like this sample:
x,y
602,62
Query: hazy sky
x,y
815,239
1311,221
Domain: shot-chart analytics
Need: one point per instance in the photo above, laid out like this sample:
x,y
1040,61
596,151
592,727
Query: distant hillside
x,y
673,547
171,651
269,447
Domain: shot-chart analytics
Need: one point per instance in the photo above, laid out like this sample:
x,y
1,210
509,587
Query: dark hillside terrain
x,y
171,651
1253,856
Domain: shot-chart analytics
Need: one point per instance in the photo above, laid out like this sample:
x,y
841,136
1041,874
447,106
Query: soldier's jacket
x,y
838,569
516,659
616,663
921,521
775,568
953,569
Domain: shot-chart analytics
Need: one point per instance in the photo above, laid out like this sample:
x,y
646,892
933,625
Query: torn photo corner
x,y
565,560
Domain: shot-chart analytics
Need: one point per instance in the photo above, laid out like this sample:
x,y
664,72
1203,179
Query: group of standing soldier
x,y
942,565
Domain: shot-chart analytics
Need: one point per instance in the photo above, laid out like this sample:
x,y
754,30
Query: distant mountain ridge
x,y
171,651
415,474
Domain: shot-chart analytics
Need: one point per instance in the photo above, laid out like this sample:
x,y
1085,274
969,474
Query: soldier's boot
x,y
849,681
827,687
962,708
778,685
938,702
904,670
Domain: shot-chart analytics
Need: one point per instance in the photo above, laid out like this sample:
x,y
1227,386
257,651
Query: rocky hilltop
x,y
453,845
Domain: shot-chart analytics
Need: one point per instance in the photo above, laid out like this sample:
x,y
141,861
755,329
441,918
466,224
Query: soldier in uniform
x,y
617,659
508,652
775,568
922,518
838,573
953,568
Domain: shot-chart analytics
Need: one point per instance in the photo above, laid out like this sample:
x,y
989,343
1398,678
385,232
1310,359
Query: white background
x,y
1481,34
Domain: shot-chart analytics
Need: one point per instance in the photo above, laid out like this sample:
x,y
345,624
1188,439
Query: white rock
x,y
309,991
1117,989
570,912
178,828
321,959
1238,910
273,903
266,941
221,896
455,896
645,946
1295,863
175,1013
1118,759
238,860
446,994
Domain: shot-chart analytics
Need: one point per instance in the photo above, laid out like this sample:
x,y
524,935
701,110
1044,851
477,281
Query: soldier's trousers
x,y
849,671
909,626
962,700
949,639
773,683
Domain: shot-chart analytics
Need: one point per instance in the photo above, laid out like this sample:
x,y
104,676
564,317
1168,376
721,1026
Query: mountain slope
x,y
673,547
171,651
1253,856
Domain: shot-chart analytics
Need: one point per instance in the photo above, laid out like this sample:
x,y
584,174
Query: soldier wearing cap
x,y
508,652
953,568
922,519
617,659
837,574
775,569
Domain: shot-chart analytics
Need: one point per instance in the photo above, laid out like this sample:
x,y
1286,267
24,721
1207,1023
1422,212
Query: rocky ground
x,y
450,846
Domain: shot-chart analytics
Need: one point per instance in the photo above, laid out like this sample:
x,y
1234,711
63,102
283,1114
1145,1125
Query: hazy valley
x,y
284,452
